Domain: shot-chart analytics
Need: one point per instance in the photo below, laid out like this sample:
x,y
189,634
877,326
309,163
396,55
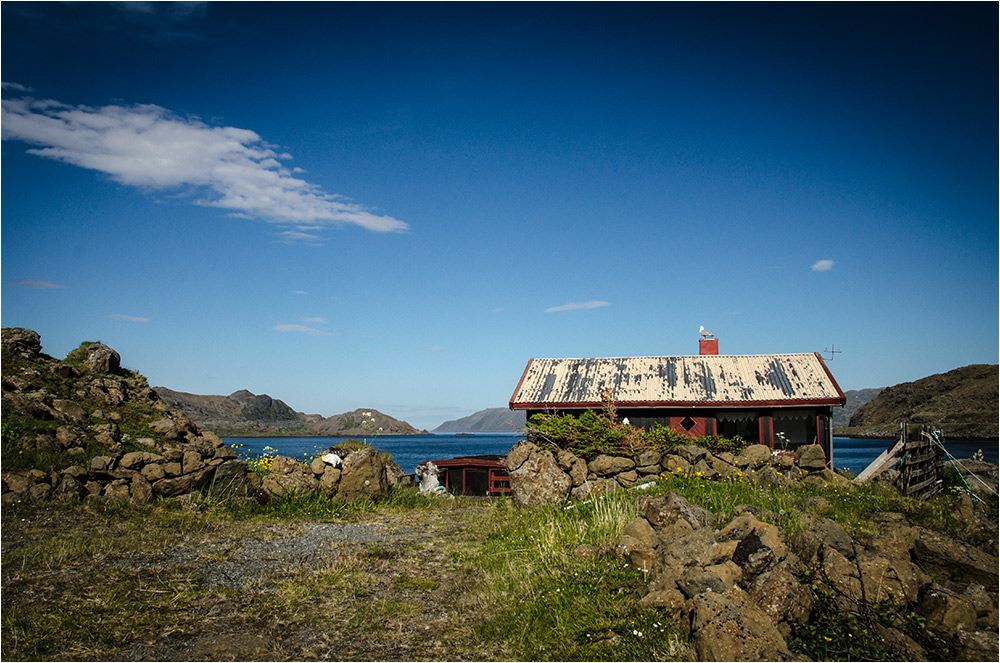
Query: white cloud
x,y
436,348
37,284
301,329
151,147
129,318
299,292
822,265
314,321
576,306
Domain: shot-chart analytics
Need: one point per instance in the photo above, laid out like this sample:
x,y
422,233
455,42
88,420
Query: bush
x,y
592,434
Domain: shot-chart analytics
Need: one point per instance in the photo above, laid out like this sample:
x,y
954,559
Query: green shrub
x,y
592,434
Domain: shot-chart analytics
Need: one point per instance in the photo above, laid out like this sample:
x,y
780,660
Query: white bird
x,y
704,332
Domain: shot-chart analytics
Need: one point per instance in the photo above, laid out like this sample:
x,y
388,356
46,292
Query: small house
x,y
475,475
786,399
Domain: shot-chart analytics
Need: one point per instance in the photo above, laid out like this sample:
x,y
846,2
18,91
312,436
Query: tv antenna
x,y
833,350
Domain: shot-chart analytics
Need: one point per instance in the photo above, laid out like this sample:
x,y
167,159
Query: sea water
x,y
409,451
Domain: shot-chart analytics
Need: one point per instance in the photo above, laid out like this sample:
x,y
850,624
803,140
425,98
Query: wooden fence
x,y
919,451
923,459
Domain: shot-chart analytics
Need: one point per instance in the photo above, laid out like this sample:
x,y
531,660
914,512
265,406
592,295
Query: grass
x,y
452,579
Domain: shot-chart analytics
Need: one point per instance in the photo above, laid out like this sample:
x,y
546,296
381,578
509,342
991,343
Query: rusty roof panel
x,y
685,380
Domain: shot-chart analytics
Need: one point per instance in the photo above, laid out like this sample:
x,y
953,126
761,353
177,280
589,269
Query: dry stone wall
x,y
541,475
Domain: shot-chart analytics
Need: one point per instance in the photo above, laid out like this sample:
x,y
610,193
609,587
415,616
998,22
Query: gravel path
x,y
311,546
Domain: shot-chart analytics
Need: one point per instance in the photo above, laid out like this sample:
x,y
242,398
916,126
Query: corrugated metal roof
x,y
731,380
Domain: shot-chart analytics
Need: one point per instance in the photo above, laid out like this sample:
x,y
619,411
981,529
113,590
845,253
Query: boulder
x,y
976,645
690,453
947,558
71,409
670,600
141,491
627,479
647,458
946,613
363,472
21,341
694,581
831,534
232,477
538,480
135,460
670,507
640,529
102,359
754,456
781,596
728,627
605,466
519,453
675,464
810,457
745,524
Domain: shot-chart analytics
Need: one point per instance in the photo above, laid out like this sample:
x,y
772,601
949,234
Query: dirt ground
x,y
383,586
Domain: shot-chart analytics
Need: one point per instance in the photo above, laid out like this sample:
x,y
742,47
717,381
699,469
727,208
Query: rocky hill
x,y
86,428
244,414
963,402
490,420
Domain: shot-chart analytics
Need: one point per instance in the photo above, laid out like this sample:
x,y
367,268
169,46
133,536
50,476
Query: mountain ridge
x,y
245,414
490,420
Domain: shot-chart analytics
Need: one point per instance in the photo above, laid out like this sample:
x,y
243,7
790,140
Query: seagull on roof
x,y
704,332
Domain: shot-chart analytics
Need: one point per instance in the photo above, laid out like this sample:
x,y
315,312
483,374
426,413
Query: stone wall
x,y
540,475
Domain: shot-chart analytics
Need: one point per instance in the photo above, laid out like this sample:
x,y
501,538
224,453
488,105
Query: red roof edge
x,y
519,383
843,398
682,404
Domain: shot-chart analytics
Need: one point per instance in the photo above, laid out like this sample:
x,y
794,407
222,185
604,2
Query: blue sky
x,y
395,206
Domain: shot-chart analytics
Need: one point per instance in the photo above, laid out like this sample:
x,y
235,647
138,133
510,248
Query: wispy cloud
x,y
37,284
153,148
301,329
128,318
314,321
577,306
822,265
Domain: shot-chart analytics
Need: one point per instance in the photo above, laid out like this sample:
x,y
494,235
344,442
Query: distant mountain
x,y
490,420
244,414
855,399
963,402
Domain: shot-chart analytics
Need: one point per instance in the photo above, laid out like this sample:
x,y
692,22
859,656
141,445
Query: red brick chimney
x,y
708,346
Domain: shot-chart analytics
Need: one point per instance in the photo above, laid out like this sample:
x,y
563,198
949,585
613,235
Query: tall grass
x,y
540,601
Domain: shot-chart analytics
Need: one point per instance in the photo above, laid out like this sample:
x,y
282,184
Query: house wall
x,y
799,425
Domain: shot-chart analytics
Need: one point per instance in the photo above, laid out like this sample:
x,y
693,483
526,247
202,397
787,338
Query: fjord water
x,y
409,451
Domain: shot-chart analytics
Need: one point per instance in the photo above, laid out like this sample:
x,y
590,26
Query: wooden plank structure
x,y
475,475
923,460
919,451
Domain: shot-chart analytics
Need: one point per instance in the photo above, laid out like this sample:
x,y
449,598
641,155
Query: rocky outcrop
x,y
102,432
739,590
